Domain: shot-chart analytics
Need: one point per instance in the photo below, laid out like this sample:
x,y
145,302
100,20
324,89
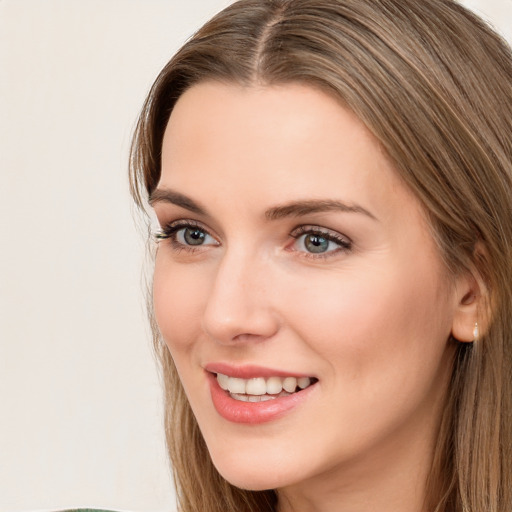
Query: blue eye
x,y
191,236
186,235
314,241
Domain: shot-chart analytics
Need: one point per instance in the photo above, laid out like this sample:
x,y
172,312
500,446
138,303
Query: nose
x,y
239,306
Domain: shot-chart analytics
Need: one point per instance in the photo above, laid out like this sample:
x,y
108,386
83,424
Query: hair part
x,y
433,83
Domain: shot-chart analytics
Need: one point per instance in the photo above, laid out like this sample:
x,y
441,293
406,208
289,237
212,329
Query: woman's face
x,y
291,250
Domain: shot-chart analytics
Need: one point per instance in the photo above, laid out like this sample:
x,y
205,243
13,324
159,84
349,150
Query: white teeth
x,y
236,385
223,381
259,388
290,384
252,398
274,385
256,386
303,382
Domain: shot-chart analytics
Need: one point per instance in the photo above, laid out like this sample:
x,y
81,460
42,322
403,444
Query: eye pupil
x,y
194,236
315,243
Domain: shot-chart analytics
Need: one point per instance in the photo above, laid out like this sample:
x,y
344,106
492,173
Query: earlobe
x,y
476,332
469,308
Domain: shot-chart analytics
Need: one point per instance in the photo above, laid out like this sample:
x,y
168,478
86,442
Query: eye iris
x,y
315,243
194,236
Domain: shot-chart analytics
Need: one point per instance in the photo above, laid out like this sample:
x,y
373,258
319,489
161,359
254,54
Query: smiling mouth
x,y
260,389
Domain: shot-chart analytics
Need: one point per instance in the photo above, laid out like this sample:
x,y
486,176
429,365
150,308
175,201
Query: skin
x,y
371,322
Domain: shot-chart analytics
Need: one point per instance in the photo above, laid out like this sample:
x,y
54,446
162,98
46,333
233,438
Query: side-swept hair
x,y
433,83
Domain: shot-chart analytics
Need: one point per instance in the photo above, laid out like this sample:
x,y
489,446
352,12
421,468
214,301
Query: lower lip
x,y
237,411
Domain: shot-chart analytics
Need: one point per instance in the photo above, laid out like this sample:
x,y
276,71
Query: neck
x,y
380,483
389,478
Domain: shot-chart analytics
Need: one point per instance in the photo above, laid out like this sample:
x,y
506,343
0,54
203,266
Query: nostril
x,y
248,337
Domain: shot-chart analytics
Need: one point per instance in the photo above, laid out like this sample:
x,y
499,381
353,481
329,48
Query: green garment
x,y
84,510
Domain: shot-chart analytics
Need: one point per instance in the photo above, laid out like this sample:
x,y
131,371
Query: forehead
x,y
275,143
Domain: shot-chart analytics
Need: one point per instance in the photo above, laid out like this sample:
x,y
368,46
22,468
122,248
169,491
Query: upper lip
x,y
249,371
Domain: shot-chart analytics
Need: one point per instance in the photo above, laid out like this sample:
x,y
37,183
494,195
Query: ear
x,y
470,296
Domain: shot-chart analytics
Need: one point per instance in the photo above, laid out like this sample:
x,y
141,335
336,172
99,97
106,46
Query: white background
x,y
80,415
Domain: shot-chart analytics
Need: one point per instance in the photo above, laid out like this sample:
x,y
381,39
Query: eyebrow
x,y
166,195
300,208
292,209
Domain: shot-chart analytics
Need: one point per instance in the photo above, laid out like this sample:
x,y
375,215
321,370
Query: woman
x,y
332,290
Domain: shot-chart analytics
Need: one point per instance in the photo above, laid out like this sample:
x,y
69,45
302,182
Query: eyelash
x,y
170,231
344,243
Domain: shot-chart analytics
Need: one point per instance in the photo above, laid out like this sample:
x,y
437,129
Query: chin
x,y
252,473
252,481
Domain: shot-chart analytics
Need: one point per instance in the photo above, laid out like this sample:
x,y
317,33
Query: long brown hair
x,y
433,83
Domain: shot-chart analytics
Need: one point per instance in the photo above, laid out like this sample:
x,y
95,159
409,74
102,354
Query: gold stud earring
x,y
476,332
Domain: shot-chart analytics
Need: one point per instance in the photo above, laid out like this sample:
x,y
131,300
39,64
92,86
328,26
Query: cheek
x,y
374,321
382,341
177,299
